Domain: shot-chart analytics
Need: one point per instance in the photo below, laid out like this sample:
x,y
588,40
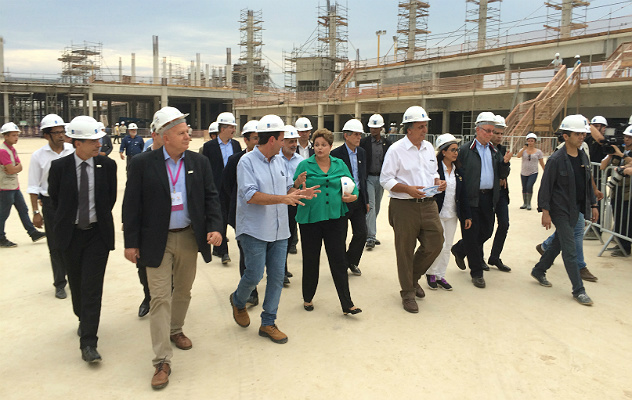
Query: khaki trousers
x,y
168,309
414,222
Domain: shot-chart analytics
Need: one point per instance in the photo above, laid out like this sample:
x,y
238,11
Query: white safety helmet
x,y
500,121
347,184
303,124
599,120
532,135
250,126
290,132
630,120
415,114
132,126
117,124
577,56
376,121
353,125
226,118
213,127
270,123
9,127
51,120
557,54
84,127
486,116
628,131
166,118
575,123
445,140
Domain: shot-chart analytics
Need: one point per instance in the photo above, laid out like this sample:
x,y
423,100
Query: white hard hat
x,y
303,124
166,118
500,121
132,126
270,123
226,118
84,127
353,125
51,120
599,120
376,121
557,54
628,131
577,56
213,127
347,184
250,126
486,116
117,124
415,114
290,132
445,139
575,123
123,123
101,126
9,127
630,120
532,135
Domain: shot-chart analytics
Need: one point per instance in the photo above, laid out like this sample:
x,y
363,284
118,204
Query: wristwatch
x,y
36,211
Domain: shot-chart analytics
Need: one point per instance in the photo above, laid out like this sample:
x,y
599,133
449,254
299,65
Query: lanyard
x,y
174,181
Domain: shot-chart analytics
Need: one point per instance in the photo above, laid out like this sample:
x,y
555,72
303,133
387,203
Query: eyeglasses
x,y
455,150
57,132
488,131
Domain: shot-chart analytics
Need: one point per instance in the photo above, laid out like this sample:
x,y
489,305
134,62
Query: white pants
x,y
440,264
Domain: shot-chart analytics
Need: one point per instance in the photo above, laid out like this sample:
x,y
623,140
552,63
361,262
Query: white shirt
x,y
304,151
448,210
404,163
90,171
40,165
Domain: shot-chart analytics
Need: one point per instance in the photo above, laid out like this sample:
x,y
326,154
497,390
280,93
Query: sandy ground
x,y
512,340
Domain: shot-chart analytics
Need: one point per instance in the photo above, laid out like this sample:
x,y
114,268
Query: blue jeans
x,y
260,255
375,191
10,198
528,182
563,241
578,232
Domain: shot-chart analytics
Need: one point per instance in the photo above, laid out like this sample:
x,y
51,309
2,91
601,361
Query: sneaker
x,y
7,243
370,244
539,249
240,314
443,284
37,235
432,282
272,332
583,299
587,276
541,280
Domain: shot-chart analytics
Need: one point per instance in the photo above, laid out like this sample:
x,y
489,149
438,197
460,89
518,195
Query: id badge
x,y
176,201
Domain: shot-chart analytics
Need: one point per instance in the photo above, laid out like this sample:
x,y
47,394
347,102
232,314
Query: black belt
x,y
374,174
179,229
486,191
87,228
422,200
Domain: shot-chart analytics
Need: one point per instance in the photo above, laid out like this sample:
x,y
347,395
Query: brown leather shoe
x,y
161,376
272,332
240,314
587,276
182,342
419,292
410,305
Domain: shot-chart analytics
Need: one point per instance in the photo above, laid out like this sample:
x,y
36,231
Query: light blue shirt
x,y
148,144
179,219
353,159
227,149
255,173
291,164
487,167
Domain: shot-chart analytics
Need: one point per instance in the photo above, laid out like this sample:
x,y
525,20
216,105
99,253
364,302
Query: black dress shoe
x,y
499,264
60,293
460,261
79,330
355,270
225,259
289,274
90,354
484,266
253,300
144,308
352,312
292,250
309,307
216,253
479,282
286,281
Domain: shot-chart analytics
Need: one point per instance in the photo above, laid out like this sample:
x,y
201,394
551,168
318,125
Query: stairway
x,y
619,61
334,91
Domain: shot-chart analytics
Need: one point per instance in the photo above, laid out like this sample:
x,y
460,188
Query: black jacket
x,y
228,191
341,153
106,147
463,210
471,170
64,195
147,204
214,154
366,144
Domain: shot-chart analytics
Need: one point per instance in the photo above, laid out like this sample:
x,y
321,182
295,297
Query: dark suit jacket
x,y
463,210
147,204
366,144
341,153
214,154
106,147
64,195
228,191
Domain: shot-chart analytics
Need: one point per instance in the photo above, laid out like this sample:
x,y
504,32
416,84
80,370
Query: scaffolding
x,y
250,71
562,23
81,63
482,24
412,28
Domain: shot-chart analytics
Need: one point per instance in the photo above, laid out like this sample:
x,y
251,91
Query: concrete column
x,y
133,77
164,98
482,24
85,104
133,105
507,69
110,122
156,105
198,110
5,106
120,70
90,101
336,122
288,116
321,116
1,59
445,120
358,110
154,39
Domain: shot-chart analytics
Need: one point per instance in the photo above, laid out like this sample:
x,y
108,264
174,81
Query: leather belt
x,y
422,200
179,229
87,228
486,191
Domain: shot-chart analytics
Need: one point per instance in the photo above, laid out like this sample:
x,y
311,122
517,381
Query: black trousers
x,y
142,277
56,257
291,216
332,232
502,216
357,217
222,248
474,238
86,258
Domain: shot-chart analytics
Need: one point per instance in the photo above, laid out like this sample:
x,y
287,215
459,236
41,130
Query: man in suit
x,y
355,158
375,147
106,142
218,151
82,189
170,212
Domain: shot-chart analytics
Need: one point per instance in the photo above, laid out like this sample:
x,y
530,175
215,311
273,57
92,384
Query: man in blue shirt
x,y
131,144
263,191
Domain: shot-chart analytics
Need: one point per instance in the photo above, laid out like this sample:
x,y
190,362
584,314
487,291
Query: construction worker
x,y
117,134
123,129
556,63
304,128
10,194
53,129
131,144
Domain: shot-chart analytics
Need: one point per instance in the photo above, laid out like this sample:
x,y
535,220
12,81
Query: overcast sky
x,y
35,32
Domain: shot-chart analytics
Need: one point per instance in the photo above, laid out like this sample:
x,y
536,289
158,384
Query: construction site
x,y
482,68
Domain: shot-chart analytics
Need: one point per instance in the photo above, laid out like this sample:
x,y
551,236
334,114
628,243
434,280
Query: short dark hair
x,y
265,136
407,126
325,134
73,140
247,135
47,130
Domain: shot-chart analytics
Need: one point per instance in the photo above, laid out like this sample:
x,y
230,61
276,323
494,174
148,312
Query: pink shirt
x,y
5,158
